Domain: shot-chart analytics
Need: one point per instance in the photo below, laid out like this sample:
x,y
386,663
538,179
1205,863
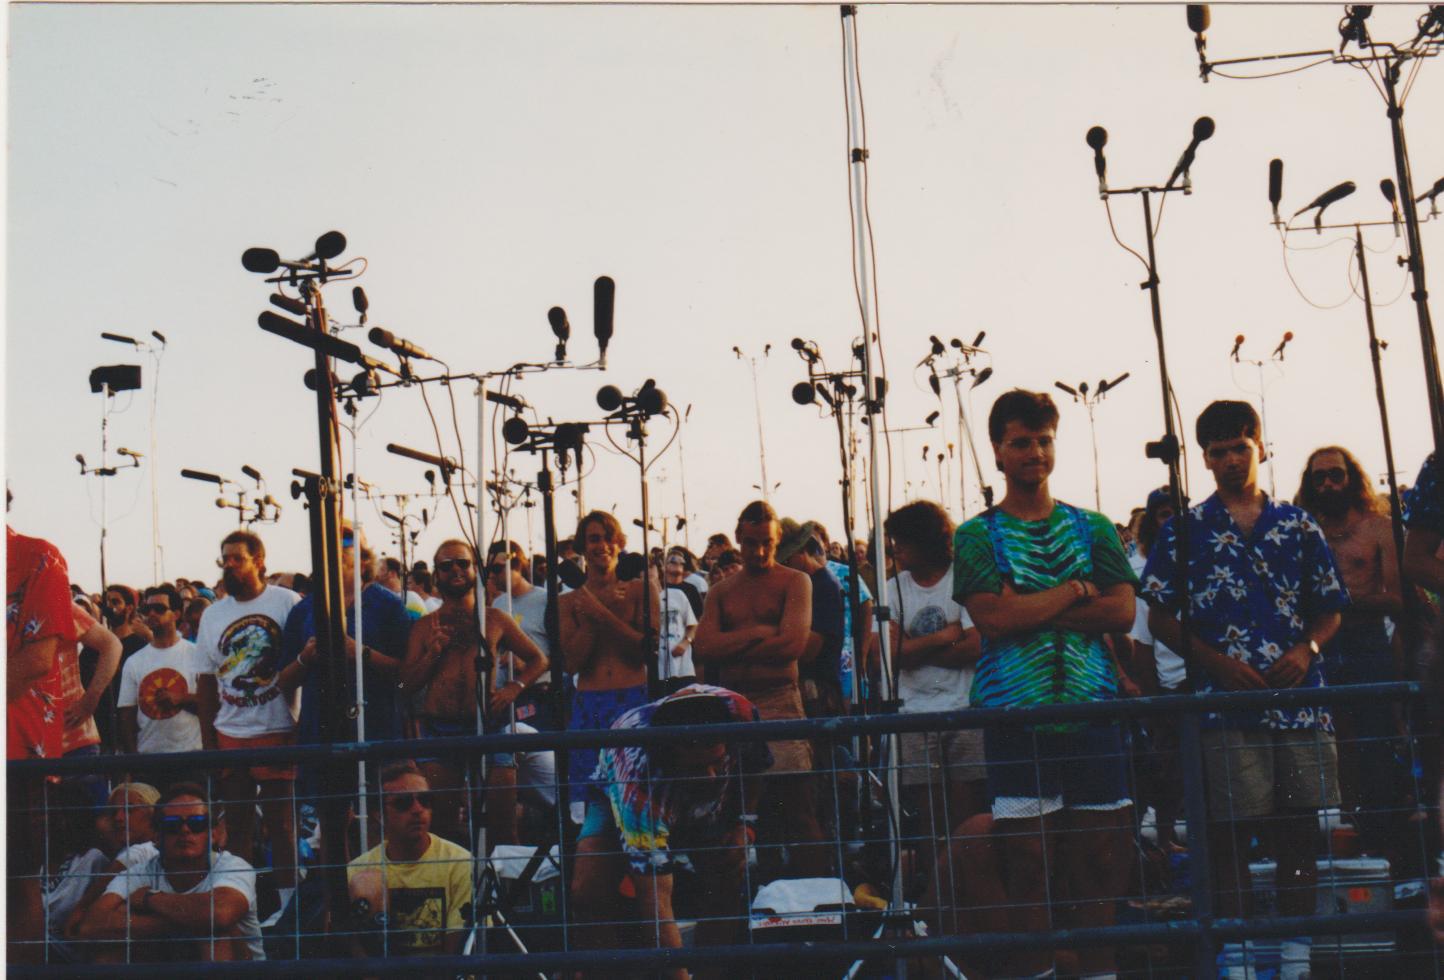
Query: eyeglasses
x,y
196,823
1334,474
401,802
447,564
159,608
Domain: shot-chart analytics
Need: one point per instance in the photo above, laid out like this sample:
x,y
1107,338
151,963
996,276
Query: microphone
x,y
1279,350
983,375
1198,17
803,393
1237,343
1097,138
291,330
604,292
1276,185
158,336
79,458
514,430
1386,187
288,303
805,349
251,472
1336,193
360,302
1202,130
979,338
445,464
510,401
1431,193
121,338
561,328
932,417
938,347
1110,385
131,453
403,348
204,477
262,260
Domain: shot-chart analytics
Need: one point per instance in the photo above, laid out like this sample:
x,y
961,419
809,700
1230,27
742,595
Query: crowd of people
x,y
1014,827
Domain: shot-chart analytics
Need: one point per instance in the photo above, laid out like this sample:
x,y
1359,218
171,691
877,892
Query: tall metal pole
x,y
1097,486
872,404
1396,511
106,396
682,462
1415,259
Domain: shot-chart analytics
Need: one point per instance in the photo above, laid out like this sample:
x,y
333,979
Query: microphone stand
x,y
1263,403
323,495
1166,450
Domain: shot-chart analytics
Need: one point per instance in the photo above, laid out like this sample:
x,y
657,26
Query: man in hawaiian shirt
x,y
1264,597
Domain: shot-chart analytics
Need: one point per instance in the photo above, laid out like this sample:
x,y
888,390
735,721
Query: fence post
x,y
1200,867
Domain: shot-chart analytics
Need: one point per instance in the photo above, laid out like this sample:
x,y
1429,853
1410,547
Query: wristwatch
x,y
1314,648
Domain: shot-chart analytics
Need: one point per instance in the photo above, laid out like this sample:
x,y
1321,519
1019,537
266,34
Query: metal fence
x,y
957,913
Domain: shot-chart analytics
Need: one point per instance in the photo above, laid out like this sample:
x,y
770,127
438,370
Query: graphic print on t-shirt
x,y
420,913
162,679
249,649
927,621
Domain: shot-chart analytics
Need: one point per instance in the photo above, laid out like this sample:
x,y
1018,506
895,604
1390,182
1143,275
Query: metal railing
x,y
1193,938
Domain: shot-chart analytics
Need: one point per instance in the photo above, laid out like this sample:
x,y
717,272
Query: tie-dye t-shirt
x,y
1046,666
649,805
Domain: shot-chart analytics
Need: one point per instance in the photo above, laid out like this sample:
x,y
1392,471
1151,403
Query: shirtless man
x,y
441,663
755,627
1336,492
603,645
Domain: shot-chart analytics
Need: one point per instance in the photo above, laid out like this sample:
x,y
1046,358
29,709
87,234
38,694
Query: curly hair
x,y
926,526
1360,493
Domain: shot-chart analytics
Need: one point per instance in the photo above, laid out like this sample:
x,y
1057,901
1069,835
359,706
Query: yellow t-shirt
x,y
420,901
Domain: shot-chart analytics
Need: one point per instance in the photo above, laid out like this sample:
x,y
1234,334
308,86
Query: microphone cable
x,y
1272,74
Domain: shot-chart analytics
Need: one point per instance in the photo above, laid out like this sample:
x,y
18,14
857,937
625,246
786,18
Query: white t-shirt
x,y
1171,671
922,612
62,891
137,854
677,614
150,669
240,642
699,582
535,771
227,871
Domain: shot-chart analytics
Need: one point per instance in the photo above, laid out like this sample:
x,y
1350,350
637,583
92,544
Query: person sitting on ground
x,y
125,833
191,901
411,894
652,803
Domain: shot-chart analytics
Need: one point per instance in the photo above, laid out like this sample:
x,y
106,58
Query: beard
x,y
112,617
453,588
232,581
1331,503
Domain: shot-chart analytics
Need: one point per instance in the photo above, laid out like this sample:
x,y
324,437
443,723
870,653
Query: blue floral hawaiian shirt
x,y
1252,595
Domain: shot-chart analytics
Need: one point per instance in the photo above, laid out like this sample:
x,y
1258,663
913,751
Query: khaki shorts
x,y
783,702
1257,772
932,758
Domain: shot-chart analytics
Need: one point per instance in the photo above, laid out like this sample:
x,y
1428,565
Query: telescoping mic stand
x,y
307,275
633,411
1166,450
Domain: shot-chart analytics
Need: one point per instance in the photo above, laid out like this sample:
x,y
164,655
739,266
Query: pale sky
x,y
490,161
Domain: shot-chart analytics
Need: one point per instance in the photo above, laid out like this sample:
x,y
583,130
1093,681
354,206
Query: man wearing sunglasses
x,y
157,698
440,670
191,901
411,894
1336,492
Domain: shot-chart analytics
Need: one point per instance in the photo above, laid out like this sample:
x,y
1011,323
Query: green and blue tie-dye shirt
x,y
1048,666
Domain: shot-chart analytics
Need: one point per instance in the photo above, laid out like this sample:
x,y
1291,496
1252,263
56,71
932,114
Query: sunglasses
x,y
159,608
196,823
1334,474
402,802
447,564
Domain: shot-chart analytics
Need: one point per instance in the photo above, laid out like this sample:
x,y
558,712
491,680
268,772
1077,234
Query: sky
x,y
489,162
